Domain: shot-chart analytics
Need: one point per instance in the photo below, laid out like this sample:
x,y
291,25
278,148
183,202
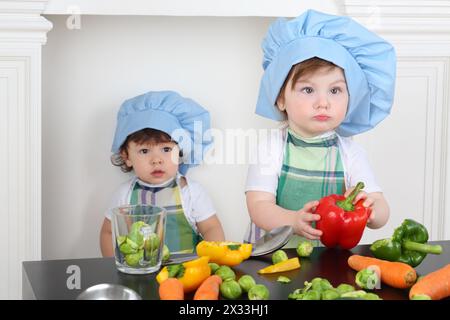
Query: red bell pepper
x,y
341,222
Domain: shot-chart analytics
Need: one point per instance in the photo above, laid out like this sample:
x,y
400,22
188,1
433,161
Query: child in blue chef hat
x,y
328,78
160,135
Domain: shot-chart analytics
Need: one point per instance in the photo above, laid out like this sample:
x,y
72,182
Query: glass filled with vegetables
x,y
138,238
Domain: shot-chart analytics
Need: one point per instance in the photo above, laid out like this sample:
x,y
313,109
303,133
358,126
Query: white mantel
x,y
420,31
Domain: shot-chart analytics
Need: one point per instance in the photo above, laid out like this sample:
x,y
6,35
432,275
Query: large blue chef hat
x,y
369,63
183,119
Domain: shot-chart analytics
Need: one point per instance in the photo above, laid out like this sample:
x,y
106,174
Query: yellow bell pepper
x,y
191,273
287,265
224,252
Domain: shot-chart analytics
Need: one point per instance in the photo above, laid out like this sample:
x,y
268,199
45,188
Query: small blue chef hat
x,y
369,64
183,119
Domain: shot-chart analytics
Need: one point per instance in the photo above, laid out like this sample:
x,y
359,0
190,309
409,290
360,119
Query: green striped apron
x,y
180,237
312,168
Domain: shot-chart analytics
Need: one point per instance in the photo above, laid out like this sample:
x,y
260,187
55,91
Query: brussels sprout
x,y
121,239
166,253
305,248
312,295
330,294
226,273
283,279
125,248
354,294
151,256
230,289
246,282
296,295
135,240
344,288
319,284
214,267
371,296
367,279
136,227
152,242
279,256
176,270
258,292
133,259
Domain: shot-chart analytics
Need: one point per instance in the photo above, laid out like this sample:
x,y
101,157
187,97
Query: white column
x,y
22,33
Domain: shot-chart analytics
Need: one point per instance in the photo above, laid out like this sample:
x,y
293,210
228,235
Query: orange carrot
x,y
434,286
209,289
171,289
396,274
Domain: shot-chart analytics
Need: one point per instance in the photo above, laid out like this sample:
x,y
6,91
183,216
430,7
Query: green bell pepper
x,y
407,244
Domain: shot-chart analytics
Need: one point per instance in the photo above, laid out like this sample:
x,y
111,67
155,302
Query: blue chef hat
x,y
368,61
183,119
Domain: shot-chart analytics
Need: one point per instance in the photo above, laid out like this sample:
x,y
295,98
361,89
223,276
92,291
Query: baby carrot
x,y
209,289
396,274
171,289
434,286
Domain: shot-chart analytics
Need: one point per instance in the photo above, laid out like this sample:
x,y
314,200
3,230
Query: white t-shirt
x,y
197,204
264,174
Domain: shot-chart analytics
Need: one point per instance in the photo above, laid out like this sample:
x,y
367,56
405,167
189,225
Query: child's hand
x,y
368,202
305,217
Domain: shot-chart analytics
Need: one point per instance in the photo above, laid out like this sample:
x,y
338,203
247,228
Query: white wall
x,y
87,73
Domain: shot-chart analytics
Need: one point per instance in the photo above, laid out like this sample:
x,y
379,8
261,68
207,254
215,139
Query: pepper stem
x,y
422,247
347,204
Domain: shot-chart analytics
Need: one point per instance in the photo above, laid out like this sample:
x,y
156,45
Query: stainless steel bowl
x,y
106,291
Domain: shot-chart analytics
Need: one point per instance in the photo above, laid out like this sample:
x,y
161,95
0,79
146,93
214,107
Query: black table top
x,y
49,279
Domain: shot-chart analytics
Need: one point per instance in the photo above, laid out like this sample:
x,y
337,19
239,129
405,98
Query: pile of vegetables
x,y
140,247
212,278
232,289
321,289
209,280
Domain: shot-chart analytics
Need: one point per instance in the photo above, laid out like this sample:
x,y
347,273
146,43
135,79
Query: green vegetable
x,y
135,241
133,259
125,248
246,282
367,279
121,239
330,294
407,244
279,256
166,253
421,297
214,267
176,270
283,279
354,294
258,292
344,288
312,295
226,273
296,295
371,296
305,248
152,243
136,227
319,284
230,289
